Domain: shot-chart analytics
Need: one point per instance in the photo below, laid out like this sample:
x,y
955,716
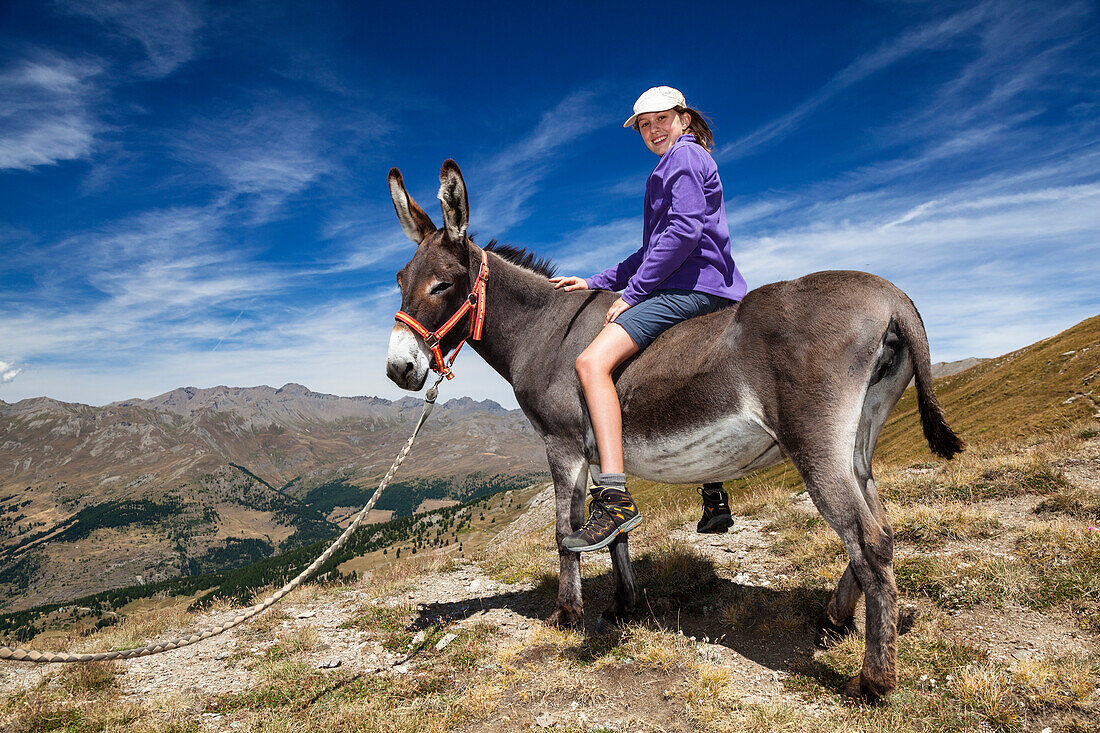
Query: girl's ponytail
x,y
699,127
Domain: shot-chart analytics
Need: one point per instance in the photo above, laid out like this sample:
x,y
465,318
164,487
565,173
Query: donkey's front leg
x,y
626,596
570,473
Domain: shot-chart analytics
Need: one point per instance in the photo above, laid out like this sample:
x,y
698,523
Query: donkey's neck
x,y
514,296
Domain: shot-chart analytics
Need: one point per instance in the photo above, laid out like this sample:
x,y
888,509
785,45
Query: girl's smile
x,y
659,130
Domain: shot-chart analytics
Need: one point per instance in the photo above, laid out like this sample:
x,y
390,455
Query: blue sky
x,y
195,193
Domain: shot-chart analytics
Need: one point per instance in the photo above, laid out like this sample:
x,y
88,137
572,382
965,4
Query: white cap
x,y
656,99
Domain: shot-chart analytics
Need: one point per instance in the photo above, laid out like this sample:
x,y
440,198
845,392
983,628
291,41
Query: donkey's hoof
x,y
860,689
613,617
617,614
830,633
565,618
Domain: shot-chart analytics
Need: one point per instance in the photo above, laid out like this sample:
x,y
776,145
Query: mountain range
x,y
202,479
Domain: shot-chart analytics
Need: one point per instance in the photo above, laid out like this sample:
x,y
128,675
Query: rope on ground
x,y
44,657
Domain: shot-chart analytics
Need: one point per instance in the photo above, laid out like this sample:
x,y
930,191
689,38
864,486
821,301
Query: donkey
x,y
806,369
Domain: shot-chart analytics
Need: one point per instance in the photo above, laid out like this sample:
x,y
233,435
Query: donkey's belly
x,y
719,450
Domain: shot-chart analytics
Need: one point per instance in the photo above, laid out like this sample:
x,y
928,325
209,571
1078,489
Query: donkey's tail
x,y
941,438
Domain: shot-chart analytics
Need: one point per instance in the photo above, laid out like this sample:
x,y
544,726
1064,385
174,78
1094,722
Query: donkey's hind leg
x,y
838,620
869,540
835,465
570,473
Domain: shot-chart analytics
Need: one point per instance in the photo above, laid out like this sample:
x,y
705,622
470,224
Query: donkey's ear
x,y
456,205
414,221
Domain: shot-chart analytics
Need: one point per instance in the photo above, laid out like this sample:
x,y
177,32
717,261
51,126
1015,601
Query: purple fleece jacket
x,y
685,243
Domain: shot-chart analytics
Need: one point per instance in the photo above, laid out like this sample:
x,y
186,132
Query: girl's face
x,y
660,130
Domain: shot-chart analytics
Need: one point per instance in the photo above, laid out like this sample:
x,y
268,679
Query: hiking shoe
x,y
610,513
716,510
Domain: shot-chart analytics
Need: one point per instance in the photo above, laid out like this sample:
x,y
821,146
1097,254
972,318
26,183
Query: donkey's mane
x,y
523,258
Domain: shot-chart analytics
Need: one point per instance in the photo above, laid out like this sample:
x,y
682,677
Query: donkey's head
x,y
436,281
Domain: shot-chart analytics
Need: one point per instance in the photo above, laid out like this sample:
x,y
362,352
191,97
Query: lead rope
x,y
33,655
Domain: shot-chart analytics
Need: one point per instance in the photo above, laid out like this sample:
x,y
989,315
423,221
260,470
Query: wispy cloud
x,y
167,285
1020,57
165,30
53,103
162,277
500,188
929,36
265,154
46,117
506,183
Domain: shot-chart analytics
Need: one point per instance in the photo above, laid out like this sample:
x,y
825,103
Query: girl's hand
x,y
615,310
569,283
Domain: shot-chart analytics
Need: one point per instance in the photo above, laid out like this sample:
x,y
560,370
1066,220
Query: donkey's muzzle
x,y
407,361
404,375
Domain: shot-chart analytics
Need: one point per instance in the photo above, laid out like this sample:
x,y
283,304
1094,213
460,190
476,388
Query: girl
x,y
684,268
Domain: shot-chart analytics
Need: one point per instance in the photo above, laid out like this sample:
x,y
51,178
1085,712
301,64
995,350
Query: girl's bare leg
x,y
594,366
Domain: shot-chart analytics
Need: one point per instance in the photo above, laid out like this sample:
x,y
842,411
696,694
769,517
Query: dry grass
x,y
297,641
963,580
84,697
752,496
390,624
712,683
44,711
138,629
1063,683
996,472
810,546
1055,564
1007,697
931,526
264,625
676,578
87,679
946,684
655,647
524,558
1074,502
985,691
1064,558
775,610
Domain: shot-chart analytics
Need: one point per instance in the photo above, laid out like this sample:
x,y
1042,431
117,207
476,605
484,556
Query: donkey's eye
x,y
439,288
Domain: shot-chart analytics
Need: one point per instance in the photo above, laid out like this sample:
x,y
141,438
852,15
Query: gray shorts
x,y
664,309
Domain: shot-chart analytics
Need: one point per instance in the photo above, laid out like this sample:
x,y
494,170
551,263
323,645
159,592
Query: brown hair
x,y
699,127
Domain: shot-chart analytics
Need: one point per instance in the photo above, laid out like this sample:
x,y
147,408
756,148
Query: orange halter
x,y
474,301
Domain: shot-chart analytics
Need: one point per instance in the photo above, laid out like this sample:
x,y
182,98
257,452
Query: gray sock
x,y
618,480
